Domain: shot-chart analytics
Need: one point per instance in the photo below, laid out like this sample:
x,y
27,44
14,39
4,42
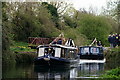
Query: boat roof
x,y
91,46
56,45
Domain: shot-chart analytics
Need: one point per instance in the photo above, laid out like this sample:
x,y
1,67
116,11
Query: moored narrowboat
x,y
91,52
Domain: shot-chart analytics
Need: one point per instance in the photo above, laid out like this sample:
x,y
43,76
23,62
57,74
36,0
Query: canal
x,y
82,70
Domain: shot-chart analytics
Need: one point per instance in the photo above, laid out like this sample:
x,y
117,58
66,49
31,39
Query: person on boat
x,y
54,42
99,43
49,51
70,42
59,41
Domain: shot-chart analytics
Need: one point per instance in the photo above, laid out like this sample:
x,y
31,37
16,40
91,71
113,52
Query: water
x,y
82,70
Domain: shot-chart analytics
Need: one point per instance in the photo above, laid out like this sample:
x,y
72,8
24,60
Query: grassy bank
x,y
23,54
21,47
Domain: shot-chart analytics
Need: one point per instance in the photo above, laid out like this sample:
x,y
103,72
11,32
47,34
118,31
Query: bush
x,y
114,73
94,27
78,38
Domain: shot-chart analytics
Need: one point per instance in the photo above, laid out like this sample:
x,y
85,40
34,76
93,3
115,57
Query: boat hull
x,y
94,57
51,61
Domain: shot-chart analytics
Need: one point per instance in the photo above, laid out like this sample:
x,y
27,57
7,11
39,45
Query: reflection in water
x,y
55,72
73,73
91,69
52,72
83,70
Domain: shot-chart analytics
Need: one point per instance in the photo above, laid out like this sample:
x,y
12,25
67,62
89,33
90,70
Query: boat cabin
x,y
91,52
56,50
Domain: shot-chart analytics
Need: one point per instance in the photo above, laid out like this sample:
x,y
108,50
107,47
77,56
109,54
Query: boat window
x,y
85,50
71,54
57,52
94,50
41,52
101,49
49,51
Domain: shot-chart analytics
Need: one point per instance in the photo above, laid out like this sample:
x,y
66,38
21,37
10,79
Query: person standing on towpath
x,y
114,40
110,40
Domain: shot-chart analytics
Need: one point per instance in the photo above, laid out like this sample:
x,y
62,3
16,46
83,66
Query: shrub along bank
x,y
113,62
114,73
113,57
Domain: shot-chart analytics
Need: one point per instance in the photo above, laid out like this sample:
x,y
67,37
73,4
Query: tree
x,y
118,15
113,11
53,12
8,56
70,21
94,27
61,6
32,23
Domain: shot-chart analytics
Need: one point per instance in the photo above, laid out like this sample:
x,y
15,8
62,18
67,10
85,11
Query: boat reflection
x,y
82,71
91,69
54,72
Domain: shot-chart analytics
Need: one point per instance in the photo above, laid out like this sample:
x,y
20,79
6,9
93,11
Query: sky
x,y
77,4
86,4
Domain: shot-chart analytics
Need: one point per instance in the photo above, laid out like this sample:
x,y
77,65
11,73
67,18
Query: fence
x,y
39,41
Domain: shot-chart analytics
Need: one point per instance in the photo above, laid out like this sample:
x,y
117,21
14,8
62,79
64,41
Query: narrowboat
x,y
91,52
56,54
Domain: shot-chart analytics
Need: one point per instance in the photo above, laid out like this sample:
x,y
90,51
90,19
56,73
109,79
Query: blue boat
x,y
55,54
91,52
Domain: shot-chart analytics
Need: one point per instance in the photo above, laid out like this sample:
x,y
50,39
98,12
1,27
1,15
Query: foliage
x,y
32,23
53,11
94,27
90,25
114,73
61,6
113,11
23,54
26,24
6,39
21,47
70,22
78,38
113,57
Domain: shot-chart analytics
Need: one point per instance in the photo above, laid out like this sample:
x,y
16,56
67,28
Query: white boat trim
x,y
82,61
62,46
68,47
